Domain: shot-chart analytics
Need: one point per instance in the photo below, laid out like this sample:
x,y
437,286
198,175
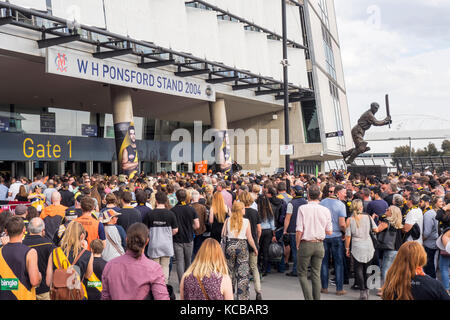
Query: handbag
x,y
114,244
372,234
224,237
387,238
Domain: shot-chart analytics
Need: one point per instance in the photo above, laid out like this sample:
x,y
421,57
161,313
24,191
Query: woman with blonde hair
x,y
359,226
238,233
217,215
389,237
405,279
207,277
73,247
209,189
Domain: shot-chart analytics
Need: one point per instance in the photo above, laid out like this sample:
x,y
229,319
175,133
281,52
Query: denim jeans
x,y
444,264
388,259
429,268
293,245
335,246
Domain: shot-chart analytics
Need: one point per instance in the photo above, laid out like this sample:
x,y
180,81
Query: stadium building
x,y
100,86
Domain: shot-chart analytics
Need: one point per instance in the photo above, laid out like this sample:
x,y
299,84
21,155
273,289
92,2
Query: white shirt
x,y
415,216
14,189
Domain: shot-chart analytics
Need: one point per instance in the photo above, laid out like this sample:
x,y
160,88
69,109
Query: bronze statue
x,y
364,123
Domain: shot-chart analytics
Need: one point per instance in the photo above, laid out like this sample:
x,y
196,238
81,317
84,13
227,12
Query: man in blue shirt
x,y
334,242
377,207
3,190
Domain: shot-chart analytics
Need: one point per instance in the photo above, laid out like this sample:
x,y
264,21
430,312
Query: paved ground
x,y
278,286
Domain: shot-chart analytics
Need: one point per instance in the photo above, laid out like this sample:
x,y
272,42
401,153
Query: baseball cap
x,y
298,189
20,210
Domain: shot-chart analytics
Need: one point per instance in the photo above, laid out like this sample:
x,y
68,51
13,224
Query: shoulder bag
x,y
114,244
387,238
372,234
224,237
203,289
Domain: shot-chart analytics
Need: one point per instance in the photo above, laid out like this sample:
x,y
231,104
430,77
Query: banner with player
x,y
127,153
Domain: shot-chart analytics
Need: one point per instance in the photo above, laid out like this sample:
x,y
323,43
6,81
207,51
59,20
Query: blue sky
x,y
400,47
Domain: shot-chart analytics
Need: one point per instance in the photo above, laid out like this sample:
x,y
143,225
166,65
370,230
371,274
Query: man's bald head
x,y
56,197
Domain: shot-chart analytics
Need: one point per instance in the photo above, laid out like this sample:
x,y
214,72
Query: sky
x,y
400,47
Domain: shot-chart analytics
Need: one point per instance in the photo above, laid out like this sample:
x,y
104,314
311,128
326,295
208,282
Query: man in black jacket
x,y
279,212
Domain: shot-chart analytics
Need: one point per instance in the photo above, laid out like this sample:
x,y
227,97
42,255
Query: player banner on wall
x,y
127,153
223,156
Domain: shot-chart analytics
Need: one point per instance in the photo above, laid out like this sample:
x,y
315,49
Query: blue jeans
x,y
335,245
444,263
388,259
293,246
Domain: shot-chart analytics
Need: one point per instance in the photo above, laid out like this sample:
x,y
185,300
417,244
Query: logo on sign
x,y
61,62
208,91
9,284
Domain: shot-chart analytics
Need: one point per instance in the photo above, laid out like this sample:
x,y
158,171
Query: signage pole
x,y
286,84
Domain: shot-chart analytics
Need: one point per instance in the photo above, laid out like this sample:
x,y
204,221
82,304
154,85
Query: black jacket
x,y
279,211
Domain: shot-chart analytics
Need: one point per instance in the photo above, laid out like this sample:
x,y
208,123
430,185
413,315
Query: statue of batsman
x,y
364,123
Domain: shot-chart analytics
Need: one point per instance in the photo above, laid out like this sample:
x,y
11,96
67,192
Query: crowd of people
x,y
99,237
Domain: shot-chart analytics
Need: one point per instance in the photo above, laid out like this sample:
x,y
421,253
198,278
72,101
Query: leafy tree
x,y
446,147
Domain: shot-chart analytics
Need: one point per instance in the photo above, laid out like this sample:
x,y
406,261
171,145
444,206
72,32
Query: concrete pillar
x,y
122,104
122,109
90,167
115,169
61,167
29,169
218,114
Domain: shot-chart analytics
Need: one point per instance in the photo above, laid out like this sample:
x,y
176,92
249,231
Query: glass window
x,y
311,122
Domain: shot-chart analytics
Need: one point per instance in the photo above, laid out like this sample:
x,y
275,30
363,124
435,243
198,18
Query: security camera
x,y
274,117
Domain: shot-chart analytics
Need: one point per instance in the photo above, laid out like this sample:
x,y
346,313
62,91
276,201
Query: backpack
x,y
66,283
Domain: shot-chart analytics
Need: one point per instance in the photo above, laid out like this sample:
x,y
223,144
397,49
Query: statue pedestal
x,y
379,171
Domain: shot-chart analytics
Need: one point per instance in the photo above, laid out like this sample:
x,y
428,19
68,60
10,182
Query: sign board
x,y
71,63
48,122
334,134
201,167
4,124
89,130
287,150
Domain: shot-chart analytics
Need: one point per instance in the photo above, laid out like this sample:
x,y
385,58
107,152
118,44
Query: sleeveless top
x,y
242,234
82,263
15,281
131,153
192,290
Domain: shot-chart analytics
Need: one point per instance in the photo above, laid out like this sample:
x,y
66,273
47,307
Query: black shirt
x,y
44,248
92,292
427,288
67,198
144,210
185,216
128,217
253,216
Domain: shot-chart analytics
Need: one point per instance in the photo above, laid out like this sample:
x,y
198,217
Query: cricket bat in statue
x,y
388,111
